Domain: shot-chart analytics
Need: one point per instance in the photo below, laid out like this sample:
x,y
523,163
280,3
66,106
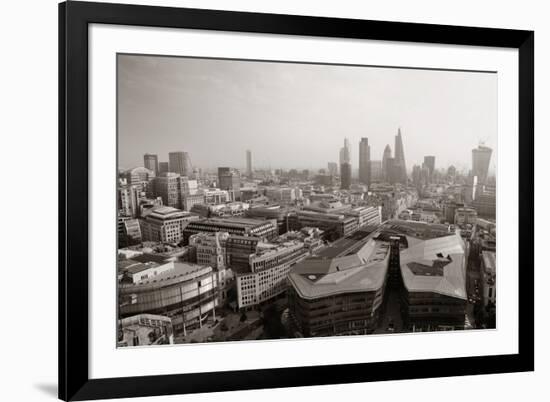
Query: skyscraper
x,y
229,180
429,162
417,175
481,157
332,168
180,163
163,167
376,173
385,157
151,162
249,163
345,165
364,161
399,163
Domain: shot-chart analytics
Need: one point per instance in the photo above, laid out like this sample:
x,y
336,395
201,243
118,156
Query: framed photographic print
x,y
258,201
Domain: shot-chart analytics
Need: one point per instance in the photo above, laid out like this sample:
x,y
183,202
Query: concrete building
x,y
340,295
376,172
165,224
134,271
234,225
215,196
164,167
145,330
486,205
180,163
429,163
151,162
400,166
481,158
210,250
249,163
335,225
187,294
332,168
265,278
341,291
385,168
192,199
366,215
488,270
465,216
229,179
138,175
364,161
173,189
345,165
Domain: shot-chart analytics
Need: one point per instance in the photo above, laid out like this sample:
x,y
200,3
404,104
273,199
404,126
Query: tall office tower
x,y
332,168
481,156
180,163
364,161
345,152
249,163
393,171
345,165
376,173
151,162
164,167
417,175
429,162
230,180
345,176
385,170
400,166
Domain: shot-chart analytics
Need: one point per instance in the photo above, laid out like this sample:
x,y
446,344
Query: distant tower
x,y
179,162
385,170
400,166
229,180
481,157
332,168
345,165
249,163
364,161
429,162
151,162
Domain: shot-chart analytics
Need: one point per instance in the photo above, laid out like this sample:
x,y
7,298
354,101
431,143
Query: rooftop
x,y
435,265
431,258
360,272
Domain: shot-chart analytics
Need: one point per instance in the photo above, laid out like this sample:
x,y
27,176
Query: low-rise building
x,y
165,224
465,216
187,294
234,225
145,330
210,250
265,278
488,270
341,295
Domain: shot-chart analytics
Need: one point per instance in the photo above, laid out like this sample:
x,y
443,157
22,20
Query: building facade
x,y
364,161
187,294
151,162
266,275
165,224
180,163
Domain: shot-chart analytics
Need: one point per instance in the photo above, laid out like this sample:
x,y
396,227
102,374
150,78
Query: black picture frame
x,y
74,18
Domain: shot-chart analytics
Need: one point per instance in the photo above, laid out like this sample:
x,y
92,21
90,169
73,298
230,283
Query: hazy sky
x,y
297,115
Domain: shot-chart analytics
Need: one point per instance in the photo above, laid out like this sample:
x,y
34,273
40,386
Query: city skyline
x,y
152,88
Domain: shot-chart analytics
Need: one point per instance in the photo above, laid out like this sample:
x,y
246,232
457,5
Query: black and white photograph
x,y
270,200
